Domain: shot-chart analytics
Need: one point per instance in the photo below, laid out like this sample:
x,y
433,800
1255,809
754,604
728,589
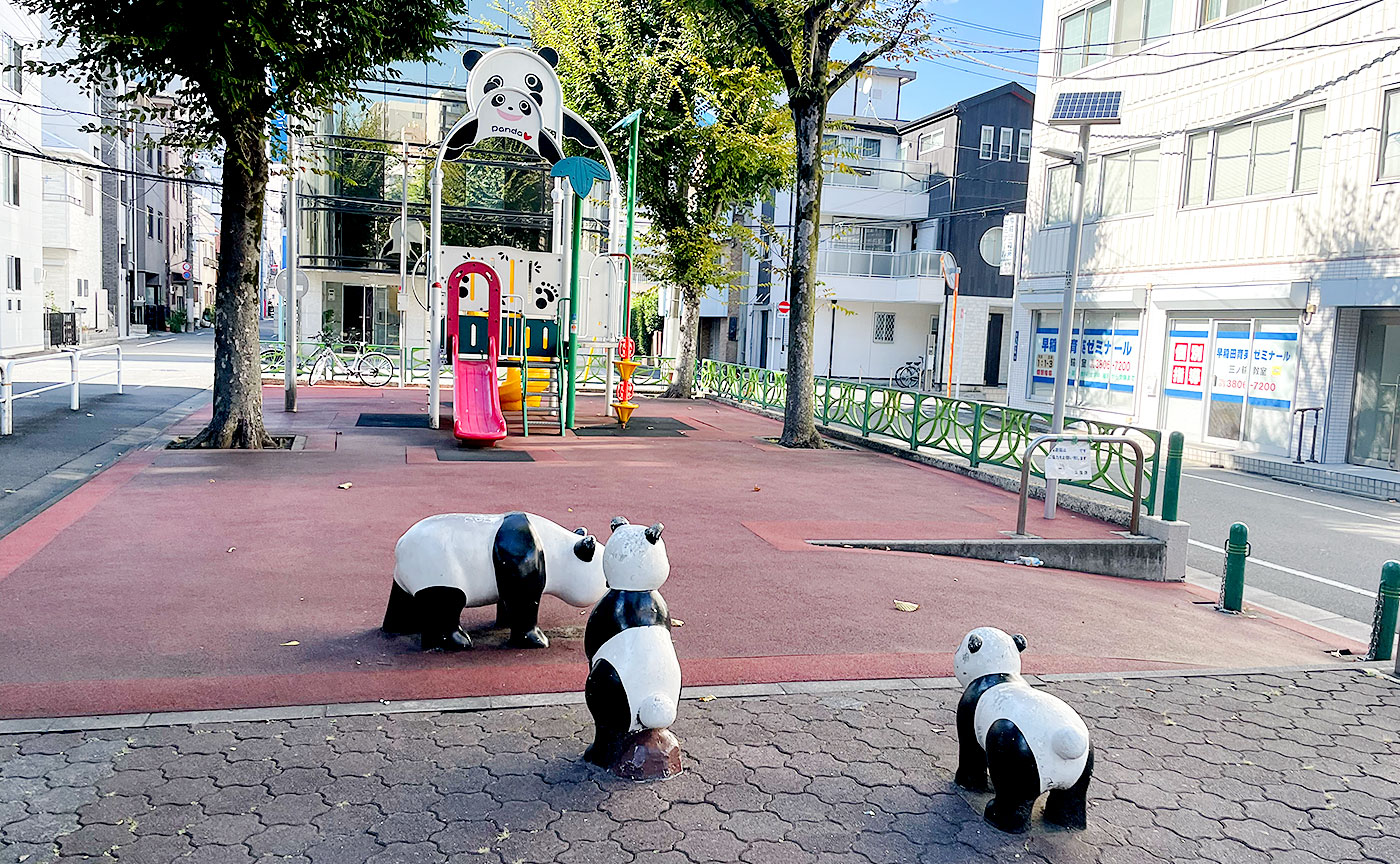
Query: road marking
x,y
157,342
1290,571
1293,498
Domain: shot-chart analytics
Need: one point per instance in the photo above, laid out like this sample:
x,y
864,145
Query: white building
x,y
21,191
73,238
1241,253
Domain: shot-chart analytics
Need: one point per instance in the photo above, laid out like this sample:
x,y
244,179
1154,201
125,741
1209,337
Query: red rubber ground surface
x,y
174,580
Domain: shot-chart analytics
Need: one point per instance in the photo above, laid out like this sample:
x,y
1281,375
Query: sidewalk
x,y
181,580
1287,767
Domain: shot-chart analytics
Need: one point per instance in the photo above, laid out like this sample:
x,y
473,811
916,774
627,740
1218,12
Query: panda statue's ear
x,y
654,533
1020,642
586,547
618,522
469,58
549,55
974,643
582,532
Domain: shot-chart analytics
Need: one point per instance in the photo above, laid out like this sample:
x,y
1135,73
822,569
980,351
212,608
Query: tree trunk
x,y
684,385
237,421
799,416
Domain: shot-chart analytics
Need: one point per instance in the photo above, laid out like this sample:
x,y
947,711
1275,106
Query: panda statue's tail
x,y
657,711
1069,743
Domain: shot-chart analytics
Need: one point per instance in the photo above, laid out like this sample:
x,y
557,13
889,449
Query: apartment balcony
x,y
880,277
888,188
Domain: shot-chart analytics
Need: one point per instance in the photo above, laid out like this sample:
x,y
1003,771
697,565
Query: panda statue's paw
x,y
456,640
1013,820
530,639
974,781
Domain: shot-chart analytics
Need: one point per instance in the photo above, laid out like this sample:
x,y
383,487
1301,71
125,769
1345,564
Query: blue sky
x,y
944,81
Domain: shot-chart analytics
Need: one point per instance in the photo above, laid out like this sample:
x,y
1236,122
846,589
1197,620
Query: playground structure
x,y
523,313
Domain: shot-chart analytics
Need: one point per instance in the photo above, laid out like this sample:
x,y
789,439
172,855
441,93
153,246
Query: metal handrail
x,y
74,382
1312,453
1105,439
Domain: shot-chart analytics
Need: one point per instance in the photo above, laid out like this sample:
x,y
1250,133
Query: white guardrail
x,y
74,382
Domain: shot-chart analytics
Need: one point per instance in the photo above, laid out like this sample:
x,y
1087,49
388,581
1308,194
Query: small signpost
x,y
784,307
1069,460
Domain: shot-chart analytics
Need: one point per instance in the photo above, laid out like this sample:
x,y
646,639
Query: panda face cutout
x,y
526,76
635,557
987,651
511,110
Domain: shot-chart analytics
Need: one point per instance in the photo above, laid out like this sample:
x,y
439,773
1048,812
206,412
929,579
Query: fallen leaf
x,y
707,698
676,622
292,644
231,548
906,606
211,480
757,489
345,485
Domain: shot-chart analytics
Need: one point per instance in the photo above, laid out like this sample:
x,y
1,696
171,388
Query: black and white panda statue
x,y
634,678
1028,740
448,562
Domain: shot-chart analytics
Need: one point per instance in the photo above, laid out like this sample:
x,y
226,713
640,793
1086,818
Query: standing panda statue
x,y
1028,740
448,562
634,678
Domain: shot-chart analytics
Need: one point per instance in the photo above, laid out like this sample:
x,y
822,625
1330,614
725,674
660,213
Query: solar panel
x,y
1084,108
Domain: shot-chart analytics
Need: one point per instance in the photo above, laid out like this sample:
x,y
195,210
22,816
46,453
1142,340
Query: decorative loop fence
x,y
983,433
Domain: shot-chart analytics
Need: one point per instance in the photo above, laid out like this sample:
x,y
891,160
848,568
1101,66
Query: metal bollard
x,y
1171,489
1387,603
73,396
1232,586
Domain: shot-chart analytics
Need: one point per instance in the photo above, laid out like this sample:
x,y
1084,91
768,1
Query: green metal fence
x,y
983,433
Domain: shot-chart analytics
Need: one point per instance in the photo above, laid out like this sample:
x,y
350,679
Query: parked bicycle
x,y
371,368
910,375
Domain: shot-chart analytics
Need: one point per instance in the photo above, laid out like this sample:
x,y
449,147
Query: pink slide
x,y
476,397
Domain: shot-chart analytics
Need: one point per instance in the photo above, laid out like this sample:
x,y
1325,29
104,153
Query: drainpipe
x,y
831,346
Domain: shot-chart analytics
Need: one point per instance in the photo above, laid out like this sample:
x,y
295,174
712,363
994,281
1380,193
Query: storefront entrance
x,y
1375,419
362,313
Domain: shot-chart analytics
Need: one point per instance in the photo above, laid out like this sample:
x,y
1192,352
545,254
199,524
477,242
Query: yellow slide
x,y
510,388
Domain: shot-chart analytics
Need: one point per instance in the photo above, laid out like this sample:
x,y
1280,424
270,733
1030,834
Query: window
x,y
863,239
848,147
931,142
1084,38
1103,359
1129,183
150,222
884,326
1140,22
9,179
990,246
1273,156
988,139
1390,136
1004,151
1023,147
13,270
1214,10
1059,188
12,55
87,195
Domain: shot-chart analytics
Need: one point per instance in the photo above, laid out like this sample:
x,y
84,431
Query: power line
x,y
154,178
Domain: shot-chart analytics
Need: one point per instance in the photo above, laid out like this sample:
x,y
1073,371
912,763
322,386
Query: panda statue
x,y
448,562
634,678
1028,740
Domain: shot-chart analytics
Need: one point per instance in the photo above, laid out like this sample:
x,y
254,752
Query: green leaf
x,y
581,172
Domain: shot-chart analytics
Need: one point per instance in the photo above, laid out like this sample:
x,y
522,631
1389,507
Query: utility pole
x,y
290,354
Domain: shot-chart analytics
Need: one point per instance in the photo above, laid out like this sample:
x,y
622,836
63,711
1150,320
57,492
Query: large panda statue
x,y
448,562
1027,740
634,678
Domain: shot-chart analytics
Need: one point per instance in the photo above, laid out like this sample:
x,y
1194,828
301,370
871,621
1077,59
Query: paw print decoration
x,y
545,295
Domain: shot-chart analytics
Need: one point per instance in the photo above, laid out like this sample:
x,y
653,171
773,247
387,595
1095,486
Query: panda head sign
x,y
514,93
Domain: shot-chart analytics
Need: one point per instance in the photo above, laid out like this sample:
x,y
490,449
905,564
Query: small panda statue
x,y
634,678
1028,740
448,562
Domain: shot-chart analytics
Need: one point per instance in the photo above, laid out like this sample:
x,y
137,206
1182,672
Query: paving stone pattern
x,y
1298,768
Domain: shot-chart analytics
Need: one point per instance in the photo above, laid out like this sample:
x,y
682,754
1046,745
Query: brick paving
x,y
1292,767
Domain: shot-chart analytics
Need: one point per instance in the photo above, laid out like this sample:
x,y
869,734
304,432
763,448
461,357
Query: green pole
x,y
1232,586
571,363
1387,603
1176,446
631,223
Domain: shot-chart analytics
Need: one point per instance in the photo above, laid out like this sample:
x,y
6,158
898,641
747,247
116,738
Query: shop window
x,y
1104,359
884,327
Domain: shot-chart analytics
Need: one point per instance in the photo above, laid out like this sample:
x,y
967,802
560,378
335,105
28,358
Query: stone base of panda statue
x,y
1028,741
448,562
634,678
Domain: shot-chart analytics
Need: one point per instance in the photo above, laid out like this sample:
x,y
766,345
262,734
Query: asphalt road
x,y
54,449
1331,545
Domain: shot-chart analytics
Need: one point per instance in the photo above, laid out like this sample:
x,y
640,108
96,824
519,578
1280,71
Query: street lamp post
x,y
290,354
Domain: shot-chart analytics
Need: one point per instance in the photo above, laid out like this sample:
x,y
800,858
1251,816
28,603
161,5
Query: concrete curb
x,y
544,700
1124,558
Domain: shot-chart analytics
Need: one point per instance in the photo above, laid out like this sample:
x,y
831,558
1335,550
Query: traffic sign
x,y
784,307
303,284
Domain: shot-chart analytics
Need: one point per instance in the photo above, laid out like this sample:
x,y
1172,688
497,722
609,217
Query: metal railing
x,y
74,383
1302,418
894,265
983,433
895,175
1027,458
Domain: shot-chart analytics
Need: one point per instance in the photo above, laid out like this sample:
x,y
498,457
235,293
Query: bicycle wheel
x,y
375,369
270,361
906,377
321,370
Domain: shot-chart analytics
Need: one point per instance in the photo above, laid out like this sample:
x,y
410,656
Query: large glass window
x,y
1273,156
1084,38
1059,189
1390,136
1140,22
1104,359
1214,10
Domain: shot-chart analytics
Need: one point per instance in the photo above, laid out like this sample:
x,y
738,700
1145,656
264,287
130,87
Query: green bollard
x,y
1232,586
1387,602
1171,489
